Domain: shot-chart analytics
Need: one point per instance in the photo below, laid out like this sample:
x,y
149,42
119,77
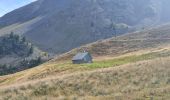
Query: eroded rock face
x,y
66,24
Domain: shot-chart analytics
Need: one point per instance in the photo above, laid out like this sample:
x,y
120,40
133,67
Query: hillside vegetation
x,y
13,44
142,80
17,54
137,68
137,80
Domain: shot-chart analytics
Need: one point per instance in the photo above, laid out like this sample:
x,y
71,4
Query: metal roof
x,y
80,56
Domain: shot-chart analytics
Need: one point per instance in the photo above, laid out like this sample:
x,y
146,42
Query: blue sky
x,y
9,5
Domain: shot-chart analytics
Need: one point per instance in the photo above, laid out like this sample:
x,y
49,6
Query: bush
x,y
15,44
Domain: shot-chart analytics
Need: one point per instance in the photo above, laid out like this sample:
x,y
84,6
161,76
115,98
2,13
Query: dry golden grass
x,y
60,68
140,80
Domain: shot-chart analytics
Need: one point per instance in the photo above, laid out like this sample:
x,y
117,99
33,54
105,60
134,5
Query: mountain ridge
x,y
65,25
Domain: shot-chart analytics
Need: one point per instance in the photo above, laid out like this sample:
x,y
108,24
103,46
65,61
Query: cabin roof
x,y
80,56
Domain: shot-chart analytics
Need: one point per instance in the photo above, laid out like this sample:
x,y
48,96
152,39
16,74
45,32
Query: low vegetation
x,y
14,44
112,62
127,59
30,63
142,80
21,50
66,67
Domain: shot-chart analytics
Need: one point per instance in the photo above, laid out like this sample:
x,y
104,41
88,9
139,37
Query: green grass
x,y
67,67
125,60
112,62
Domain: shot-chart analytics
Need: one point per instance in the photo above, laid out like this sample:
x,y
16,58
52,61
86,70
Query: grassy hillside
x,y
144,40
134,66
141,80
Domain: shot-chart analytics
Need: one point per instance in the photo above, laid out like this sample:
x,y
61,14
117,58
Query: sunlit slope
x,y
133,66
142,80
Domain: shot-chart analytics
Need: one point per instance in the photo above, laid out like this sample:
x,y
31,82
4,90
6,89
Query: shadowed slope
x,y
58,26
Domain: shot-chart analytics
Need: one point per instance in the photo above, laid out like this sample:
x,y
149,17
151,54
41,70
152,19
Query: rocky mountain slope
x,y
58,26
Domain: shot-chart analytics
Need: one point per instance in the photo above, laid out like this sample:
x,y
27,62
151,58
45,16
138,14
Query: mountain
x,y
132,66
58,26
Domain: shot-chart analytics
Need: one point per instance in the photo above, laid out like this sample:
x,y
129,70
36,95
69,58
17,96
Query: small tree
x,y
23,39
39,60
31,50
16,37
11,35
